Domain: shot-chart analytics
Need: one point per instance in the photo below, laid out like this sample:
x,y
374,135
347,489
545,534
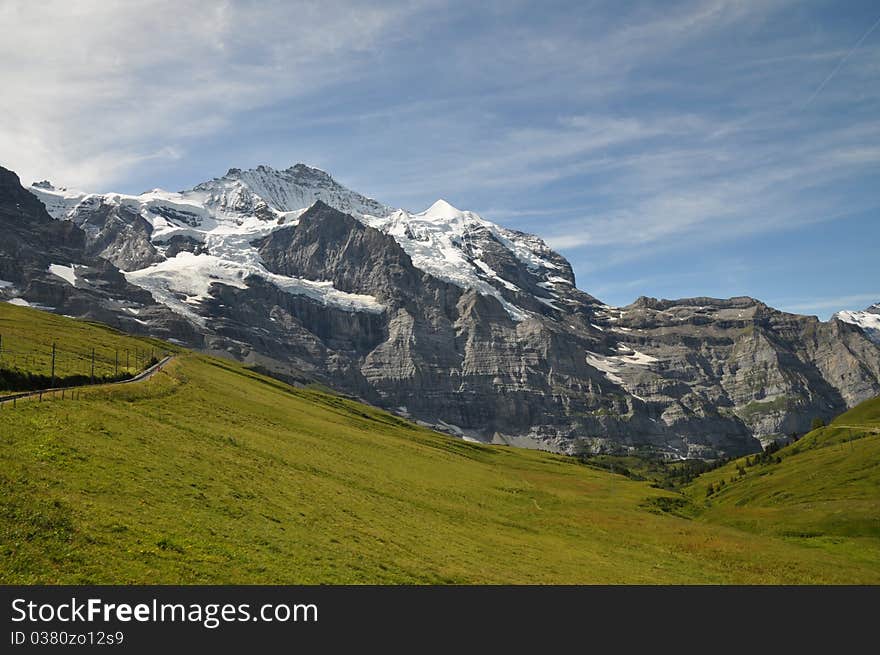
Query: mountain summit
x,y
295,188
444,317
221,219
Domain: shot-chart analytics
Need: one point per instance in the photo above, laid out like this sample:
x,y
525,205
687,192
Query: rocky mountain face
x,y
443,317
53,265
868,320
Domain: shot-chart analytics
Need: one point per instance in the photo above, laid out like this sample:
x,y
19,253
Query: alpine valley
x,y
440,316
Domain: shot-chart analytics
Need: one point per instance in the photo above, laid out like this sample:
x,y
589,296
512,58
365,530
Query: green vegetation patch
x,y
822,490
760,407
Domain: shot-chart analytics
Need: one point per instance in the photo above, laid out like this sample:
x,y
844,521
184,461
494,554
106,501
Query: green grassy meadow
x,y
822,492
211,473
26,347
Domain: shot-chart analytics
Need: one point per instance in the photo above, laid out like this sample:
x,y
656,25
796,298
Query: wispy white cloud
x,y
829,305
616,131
660,180
842,61
96,89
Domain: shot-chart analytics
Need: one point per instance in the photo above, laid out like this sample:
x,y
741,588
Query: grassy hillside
x,y
211,473
822,491
26,349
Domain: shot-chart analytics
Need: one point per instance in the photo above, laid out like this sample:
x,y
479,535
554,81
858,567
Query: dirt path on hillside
x,y
140,377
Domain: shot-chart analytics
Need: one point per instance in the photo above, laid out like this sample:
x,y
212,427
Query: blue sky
x,y
668,149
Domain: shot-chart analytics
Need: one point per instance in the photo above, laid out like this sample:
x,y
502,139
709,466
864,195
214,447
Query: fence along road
x,y
143,375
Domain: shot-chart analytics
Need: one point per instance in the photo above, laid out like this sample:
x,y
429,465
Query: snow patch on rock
x,y
66,273
868,320
612,365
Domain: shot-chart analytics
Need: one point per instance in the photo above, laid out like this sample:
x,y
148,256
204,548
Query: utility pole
x,y
93,366
53,365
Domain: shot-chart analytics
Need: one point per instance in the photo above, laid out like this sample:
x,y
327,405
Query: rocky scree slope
x,y
52,265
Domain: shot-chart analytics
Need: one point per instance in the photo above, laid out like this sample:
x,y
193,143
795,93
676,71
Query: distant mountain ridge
x,y
452,320
868,320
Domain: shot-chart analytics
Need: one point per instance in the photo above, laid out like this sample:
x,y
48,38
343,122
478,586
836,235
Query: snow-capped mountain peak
x,y
168,241
295,188
443,211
